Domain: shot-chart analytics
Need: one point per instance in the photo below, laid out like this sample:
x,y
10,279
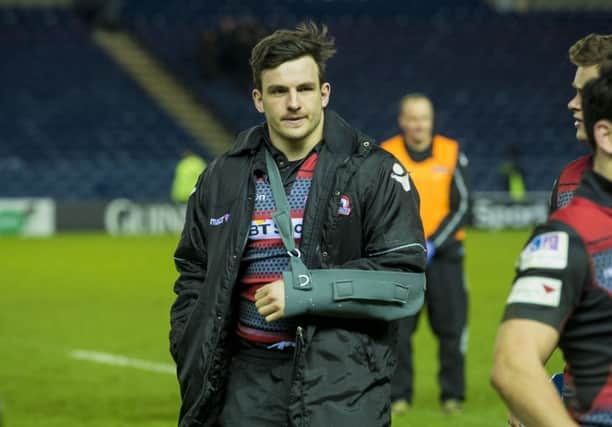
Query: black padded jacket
x,y
342,366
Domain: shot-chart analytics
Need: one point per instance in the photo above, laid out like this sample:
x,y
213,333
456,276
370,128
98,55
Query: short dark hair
x,y
591,50
597,101
287,45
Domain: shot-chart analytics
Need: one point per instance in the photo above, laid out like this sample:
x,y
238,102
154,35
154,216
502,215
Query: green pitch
x,y
111,296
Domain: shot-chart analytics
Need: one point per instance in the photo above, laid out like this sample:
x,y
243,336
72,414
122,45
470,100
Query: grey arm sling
x,y
374,294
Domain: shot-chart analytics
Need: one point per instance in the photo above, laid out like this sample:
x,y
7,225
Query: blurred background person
x,y
186,175
438,169
512,171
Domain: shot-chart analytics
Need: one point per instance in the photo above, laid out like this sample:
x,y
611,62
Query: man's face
x,y
416,121
583,75
292,99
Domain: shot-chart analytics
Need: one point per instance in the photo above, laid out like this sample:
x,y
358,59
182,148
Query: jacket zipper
x,y
299,332
299,341
295,376
318,212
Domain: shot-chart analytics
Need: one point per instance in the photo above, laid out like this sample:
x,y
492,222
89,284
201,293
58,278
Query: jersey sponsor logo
x,y
219,221
548,250
262,229
400,175
345,206
536,290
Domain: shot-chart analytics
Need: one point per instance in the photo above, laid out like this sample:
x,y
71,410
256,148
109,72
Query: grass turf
x,y
112,294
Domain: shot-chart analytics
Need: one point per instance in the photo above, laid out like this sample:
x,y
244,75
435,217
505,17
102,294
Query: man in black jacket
x,y
301,336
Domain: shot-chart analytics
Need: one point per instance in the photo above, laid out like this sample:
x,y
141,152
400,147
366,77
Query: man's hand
x,y
270,300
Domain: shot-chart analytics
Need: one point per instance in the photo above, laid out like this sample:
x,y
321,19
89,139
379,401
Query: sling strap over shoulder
x,y
385,295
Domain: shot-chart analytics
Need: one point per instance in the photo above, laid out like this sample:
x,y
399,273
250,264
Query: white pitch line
x,y
123,361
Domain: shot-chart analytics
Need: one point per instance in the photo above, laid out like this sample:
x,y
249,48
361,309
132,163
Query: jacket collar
x,y
340,138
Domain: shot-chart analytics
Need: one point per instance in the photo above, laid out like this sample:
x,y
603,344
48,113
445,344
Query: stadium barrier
x,y
121,217
43,217
497,210
27,217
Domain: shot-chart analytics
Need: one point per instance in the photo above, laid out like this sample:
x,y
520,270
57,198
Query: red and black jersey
x,y
565,186
564,279
265,257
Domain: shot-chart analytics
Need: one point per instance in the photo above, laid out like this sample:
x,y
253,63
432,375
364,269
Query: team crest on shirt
x,y
547,250
537,290
345,206
400,175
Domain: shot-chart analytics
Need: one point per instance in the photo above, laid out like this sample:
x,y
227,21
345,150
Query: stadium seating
x,y
496,80
74,125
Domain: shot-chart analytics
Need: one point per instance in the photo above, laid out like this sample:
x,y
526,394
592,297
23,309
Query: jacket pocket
x,y
180,334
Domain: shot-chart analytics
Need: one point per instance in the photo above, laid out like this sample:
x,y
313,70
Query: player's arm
x,y
391,222
551,273
521,350
388,282
190,259
459,207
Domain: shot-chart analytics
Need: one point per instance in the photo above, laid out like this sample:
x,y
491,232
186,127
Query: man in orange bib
x,y
437,168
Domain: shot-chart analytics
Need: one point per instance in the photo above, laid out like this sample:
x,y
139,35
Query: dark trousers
x,y
447,303
258,389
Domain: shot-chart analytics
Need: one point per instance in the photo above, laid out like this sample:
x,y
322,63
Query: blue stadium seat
x,y
74,125
496,80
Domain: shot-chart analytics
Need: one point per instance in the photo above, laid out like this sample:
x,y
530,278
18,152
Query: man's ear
x,y
325,94
603,136
258,100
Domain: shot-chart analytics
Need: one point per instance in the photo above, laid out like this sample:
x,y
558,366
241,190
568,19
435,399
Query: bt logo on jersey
x,y
262,229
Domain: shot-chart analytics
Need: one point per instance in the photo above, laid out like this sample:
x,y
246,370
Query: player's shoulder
x,y
385,166
574,169
392,143
216,166
550,247
379,156
443,139
451,146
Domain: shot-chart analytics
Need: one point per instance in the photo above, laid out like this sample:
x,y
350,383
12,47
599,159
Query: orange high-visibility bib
x,y
432,178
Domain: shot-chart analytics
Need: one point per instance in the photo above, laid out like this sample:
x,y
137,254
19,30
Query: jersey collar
x,y
596,188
